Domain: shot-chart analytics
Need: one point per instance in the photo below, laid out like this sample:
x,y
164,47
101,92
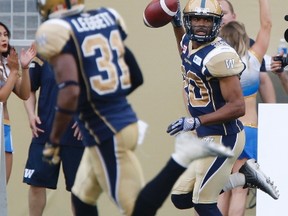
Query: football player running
x,y
40,109
89,59
207,99
211,70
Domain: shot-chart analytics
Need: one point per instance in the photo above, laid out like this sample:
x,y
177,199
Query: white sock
x,y
235,180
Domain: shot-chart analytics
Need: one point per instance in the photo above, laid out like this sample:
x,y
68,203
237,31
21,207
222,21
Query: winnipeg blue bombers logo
x,y
230,63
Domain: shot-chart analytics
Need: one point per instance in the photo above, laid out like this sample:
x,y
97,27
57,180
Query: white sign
x,y
273,156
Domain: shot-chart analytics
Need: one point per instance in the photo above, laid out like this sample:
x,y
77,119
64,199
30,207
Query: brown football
x,y
159,13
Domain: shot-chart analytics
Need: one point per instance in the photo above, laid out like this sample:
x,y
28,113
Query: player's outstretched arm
x,y
178,28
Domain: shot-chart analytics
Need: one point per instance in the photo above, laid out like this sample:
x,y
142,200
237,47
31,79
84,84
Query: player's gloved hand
x,y
177,19
183,124
51,153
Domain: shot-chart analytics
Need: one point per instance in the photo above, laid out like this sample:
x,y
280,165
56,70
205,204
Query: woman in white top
x,y
234,202
14,77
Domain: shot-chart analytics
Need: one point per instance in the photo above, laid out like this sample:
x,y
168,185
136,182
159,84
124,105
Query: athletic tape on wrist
x,y
67,83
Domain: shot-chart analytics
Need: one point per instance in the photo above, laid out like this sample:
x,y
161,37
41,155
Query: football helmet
x,y
206,9
58,8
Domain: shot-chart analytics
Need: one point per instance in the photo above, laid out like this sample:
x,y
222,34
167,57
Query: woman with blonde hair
x,y
234,202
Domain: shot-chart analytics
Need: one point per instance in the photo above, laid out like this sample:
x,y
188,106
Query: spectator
x,y
280,68
266,88
38,174
234,202
12,81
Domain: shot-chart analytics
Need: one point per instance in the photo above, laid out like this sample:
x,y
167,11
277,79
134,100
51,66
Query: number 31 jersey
x,y
95,39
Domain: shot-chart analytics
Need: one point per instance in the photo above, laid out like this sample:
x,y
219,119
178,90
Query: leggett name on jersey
x,y
89,23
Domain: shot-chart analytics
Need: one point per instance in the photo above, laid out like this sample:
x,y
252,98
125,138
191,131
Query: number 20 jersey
x,y
95,39
202,69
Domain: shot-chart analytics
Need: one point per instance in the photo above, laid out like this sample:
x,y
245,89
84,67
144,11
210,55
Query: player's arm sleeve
x,y
135,71
224,62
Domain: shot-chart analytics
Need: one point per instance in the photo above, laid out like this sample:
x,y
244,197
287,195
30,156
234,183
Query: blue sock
x,y
83,209
153,195
182,201
207,209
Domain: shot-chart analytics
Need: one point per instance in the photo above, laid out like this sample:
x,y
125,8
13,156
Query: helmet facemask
x,y
206,9
211,34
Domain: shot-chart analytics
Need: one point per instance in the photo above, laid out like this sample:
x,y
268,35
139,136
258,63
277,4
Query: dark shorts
x,y
41,174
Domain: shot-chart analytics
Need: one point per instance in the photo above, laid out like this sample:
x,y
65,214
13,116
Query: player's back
x,y
95,39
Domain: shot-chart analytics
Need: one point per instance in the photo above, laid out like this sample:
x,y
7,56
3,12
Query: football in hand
x,y
159,13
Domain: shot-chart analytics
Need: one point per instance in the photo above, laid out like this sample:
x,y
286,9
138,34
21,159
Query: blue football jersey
x,y
201,69
95,39
42,80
